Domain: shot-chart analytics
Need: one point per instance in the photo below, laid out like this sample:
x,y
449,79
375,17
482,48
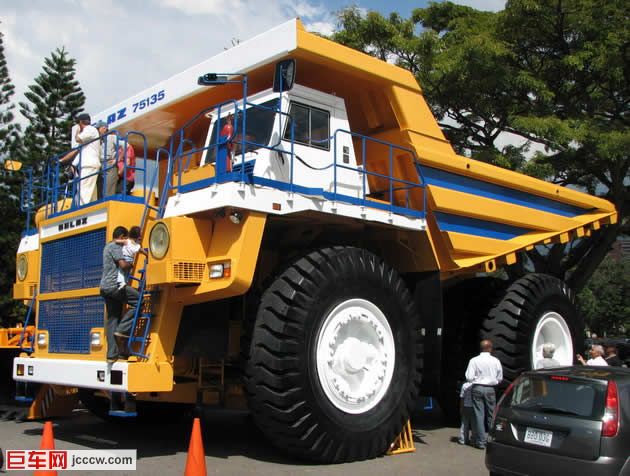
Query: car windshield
x,y
260,119
558,395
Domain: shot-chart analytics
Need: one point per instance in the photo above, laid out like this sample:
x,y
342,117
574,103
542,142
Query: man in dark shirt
x,y
116,295
611,355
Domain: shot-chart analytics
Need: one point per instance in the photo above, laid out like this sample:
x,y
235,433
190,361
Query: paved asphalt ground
x,y
234,447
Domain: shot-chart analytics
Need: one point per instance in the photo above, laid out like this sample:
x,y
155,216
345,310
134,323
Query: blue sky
x,y
123,47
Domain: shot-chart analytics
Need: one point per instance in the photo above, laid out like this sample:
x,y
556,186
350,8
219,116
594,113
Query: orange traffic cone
x,y
196,461
48,443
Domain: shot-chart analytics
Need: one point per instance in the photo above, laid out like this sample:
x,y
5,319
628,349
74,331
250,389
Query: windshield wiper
x,y
541,407
561,411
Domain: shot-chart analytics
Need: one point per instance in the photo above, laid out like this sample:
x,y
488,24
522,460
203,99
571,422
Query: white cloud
x,y
486,5
202,7
124,47
321,27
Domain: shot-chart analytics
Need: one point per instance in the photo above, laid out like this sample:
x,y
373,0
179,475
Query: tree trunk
x,y
589,263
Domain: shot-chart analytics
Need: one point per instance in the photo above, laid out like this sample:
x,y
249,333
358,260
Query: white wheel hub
x,y
355,356
552,329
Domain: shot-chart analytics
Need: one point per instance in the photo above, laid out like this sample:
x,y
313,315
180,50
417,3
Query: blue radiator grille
x,y
74,262
68,322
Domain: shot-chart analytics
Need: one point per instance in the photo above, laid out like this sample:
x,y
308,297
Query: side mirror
x,y
12,165
211,79
284,76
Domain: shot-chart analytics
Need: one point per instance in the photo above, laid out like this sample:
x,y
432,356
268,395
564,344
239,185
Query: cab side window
x,y
311,126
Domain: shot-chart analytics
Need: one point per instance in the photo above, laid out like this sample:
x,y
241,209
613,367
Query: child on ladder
x,y
130,250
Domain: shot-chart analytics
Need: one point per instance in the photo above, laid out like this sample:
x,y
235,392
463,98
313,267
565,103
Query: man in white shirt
x,y
89,160
72,157
484,372
597,357
109,151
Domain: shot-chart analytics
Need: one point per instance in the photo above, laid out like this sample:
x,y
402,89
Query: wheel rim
x,y
552,328
355,354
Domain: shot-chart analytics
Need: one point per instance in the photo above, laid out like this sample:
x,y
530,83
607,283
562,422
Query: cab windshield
x,y
260,120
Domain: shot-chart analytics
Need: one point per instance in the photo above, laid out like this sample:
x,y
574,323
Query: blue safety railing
x,y
54,191
181,163
407,185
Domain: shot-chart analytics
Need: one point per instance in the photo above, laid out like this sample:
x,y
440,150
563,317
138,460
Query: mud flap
x,y
53,401
6,372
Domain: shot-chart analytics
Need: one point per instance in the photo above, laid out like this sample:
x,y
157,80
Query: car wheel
x,y
336,357
536,309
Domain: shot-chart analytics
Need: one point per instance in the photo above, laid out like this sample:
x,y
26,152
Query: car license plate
x,y
538,437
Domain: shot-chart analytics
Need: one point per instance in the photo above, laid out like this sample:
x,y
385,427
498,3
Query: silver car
x,y
572,420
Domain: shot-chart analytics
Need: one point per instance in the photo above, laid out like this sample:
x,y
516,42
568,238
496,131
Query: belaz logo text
x,y
68,225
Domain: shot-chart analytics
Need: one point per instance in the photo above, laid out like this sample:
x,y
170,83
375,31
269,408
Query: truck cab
x,y
299,124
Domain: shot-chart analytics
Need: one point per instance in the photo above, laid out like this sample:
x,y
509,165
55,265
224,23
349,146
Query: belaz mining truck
x,y
308,226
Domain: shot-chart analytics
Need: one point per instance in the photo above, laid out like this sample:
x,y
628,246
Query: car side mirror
x,y
284,76
12,165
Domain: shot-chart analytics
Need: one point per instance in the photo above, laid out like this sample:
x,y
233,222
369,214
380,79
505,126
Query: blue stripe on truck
x,y
476,227
460,183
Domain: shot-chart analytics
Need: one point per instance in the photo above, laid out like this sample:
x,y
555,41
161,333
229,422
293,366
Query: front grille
x,y
188,271
68,322
75,262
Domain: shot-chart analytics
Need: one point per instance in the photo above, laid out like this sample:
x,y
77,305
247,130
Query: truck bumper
x,y
117,377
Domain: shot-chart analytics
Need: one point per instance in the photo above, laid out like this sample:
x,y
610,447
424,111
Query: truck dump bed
x,y
478,215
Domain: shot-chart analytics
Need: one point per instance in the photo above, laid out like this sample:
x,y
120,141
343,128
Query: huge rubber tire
x,y
287,394
466,305
512,324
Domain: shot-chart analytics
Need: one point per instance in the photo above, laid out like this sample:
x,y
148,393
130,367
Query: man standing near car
x,y
485,373
548,362
611,355
597,357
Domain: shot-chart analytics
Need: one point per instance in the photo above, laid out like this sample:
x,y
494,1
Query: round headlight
x,y
22,267
159,241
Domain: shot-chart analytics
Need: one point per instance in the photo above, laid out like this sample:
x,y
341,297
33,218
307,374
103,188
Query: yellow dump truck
x,y
307,225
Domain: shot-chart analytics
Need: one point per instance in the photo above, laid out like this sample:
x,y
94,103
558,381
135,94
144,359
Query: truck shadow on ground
x,y
224,436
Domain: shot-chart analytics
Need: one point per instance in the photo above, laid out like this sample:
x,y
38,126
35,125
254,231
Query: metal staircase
x,y
141,325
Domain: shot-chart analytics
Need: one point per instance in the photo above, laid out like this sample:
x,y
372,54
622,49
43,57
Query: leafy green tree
x,y
53,102
578,53
12,222
604,300
9,129
464,69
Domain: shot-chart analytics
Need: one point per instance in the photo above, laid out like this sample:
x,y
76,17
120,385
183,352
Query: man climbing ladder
x,y
116,295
